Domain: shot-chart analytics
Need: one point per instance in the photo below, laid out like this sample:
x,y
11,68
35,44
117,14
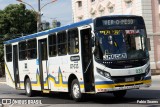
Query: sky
x,y
60,10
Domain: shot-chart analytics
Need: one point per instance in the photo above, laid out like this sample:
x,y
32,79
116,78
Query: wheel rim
x,y
76,91
28,88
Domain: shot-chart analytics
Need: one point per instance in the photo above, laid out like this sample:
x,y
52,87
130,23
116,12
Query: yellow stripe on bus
x,y
6,69
128,83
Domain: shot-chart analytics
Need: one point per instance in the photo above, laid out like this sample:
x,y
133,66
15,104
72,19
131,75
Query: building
x,y
149,9
45,25
56,23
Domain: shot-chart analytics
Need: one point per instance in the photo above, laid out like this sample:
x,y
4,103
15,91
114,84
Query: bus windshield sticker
x,y
115,56
132,31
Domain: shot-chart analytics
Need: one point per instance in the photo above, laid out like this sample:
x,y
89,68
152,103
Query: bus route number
x,y
74,66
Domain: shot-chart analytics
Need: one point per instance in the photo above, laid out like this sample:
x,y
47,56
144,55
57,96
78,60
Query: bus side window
x,y
52,45
32,49
62,43
22,50
9,53
73,41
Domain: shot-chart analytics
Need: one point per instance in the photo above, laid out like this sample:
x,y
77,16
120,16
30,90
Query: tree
x,y
15,19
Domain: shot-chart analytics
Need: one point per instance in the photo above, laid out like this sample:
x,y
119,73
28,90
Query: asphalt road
x,y
145,97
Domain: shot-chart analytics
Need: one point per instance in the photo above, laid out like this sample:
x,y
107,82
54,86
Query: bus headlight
x,y
104,73
147,70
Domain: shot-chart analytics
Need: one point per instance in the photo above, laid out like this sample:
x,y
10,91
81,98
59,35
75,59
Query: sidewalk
x,y
156,77
2,79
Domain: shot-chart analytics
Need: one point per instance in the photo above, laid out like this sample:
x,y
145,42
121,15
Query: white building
x,y
149,9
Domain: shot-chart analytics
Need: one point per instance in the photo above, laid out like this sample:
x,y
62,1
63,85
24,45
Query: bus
x,y
108,54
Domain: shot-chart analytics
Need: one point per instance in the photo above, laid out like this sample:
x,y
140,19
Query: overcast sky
x,y
60,10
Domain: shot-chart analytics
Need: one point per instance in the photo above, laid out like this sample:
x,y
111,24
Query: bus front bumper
x,y
122,86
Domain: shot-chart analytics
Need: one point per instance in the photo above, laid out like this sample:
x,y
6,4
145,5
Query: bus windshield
x,y
121,44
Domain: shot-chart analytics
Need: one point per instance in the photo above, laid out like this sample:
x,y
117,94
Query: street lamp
x,y
39,11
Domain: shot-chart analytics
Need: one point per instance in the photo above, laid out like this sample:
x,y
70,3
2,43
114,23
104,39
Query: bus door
x,y
87,60
43,58
15,66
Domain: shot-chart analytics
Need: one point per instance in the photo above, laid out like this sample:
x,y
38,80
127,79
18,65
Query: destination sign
x,y
118,22
110,32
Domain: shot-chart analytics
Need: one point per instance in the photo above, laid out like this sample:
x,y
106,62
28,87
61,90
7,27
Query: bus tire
x,y
28,88
119,94
75,91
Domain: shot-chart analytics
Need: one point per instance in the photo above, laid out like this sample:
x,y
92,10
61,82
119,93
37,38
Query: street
x,y
142,98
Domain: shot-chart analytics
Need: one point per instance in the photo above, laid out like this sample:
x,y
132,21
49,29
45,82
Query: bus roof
x,y
70,26
50,31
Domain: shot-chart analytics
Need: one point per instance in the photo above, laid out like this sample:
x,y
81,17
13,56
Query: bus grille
x,y
121,79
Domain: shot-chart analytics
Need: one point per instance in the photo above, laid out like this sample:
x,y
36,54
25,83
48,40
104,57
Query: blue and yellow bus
x,y
101,55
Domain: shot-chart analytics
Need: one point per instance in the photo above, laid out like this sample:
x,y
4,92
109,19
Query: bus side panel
x,y
9,74
53,73
57,74
60,68
34,74
74,67
22,72
29,68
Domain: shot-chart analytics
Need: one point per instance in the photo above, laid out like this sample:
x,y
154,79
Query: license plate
x,y
129,79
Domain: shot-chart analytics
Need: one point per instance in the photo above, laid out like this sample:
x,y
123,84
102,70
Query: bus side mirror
x,y
148,44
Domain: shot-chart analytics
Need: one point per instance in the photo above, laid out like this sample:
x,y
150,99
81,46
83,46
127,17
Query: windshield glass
x,y
121,44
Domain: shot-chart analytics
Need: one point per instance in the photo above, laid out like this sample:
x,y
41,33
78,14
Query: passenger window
x,y
22,50
52,45
32,49
62,43
73,41
9,53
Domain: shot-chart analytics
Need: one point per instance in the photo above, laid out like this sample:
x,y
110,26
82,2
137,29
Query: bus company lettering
x,y
115,56
75,58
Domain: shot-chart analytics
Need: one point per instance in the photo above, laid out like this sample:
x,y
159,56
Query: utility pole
x,y
39,16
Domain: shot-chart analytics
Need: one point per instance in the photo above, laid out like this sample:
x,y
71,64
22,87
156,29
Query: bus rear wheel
x,y
119,94
28,88
75,91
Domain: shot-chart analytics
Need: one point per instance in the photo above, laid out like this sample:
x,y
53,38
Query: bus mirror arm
x,y
92,41
92,44
93,50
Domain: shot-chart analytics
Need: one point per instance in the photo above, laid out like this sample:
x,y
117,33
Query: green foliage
x,y
15,19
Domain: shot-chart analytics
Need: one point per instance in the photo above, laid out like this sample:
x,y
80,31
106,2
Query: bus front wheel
x,y
28,88
119,94
75,91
